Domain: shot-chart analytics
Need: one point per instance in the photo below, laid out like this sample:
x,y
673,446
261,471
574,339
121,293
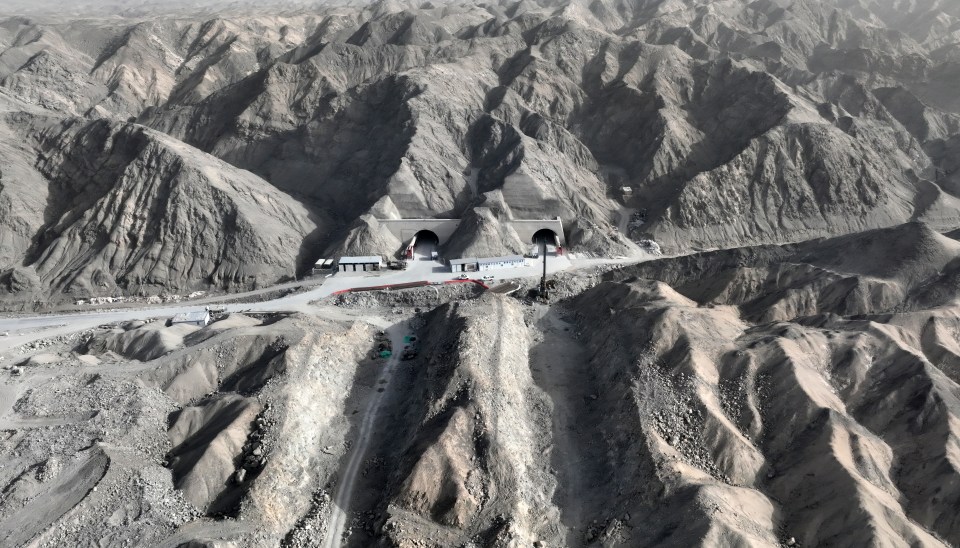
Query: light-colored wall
x,y
405,229
494,266
527,228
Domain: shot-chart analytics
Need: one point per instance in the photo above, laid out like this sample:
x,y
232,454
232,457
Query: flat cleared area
x,y
748,333
701,382
23,329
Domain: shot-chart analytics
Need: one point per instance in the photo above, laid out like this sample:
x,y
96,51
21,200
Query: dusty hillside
x,y
147,428
131,209
736,123
776,395
906,268
786,376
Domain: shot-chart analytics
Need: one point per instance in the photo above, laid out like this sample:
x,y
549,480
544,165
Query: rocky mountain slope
x,y
777,395
736,123
788,376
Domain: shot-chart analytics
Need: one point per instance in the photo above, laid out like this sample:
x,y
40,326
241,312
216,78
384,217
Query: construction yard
x,y
641,405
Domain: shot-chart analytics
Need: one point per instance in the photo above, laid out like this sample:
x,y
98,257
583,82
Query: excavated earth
x,y
787,374
795,395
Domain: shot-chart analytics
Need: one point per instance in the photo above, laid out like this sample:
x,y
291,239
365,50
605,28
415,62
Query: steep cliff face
x,y
734,123
132,209
23,195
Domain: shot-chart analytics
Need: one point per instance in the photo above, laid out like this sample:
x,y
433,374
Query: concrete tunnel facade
x,y
406,229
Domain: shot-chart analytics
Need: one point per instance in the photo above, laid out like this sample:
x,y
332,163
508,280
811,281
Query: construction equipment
x,y
408,254
544,295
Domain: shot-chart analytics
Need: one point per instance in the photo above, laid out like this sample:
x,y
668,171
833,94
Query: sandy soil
x,y
784,395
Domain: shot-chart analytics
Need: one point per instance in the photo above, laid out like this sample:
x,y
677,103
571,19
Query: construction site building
x,y
360,264
322,266
464,265
492,263
198,318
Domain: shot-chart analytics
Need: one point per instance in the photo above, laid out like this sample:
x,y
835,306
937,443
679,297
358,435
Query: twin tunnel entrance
x,y
425,242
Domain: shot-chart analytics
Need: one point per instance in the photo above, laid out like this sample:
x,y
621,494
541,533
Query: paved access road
x,y
25,329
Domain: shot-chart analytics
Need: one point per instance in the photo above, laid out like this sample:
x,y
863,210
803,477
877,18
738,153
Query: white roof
x,y
463,261
361,260
196,316
508,259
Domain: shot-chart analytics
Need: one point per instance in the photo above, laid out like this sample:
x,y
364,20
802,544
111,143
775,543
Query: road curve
x,y
24,329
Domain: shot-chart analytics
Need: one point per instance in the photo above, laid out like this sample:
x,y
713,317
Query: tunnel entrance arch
x,y
544,235
425,242
427,237
545,239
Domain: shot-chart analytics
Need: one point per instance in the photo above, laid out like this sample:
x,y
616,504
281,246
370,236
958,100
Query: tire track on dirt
x,y
341,502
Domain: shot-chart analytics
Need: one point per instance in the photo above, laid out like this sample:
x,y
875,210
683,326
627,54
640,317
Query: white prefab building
x,y
199,318
463,265
322,266
360,264
493,263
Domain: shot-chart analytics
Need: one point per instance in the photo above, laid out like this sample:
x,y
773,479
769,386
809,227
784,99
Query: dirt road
x,y
560,366
345,488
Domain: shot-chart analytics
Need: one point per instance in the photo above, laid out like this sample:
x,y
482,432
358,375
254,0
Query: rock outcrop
x,y
734,123
130,209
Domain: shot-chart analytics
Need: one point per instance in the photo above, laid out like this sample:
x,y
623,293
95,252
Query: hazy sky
x,y
106,7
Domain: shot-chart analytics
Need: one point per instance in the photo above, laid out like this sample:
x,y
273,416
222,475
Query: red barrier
x,y
407,285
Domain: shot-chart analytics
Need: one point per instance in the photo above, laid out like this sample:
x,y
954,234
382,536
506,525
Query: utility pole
x,y
543,280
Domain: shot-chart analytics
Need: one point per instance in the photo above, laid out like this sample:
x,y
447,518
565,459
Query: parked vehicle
x,y
487,278
462,277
